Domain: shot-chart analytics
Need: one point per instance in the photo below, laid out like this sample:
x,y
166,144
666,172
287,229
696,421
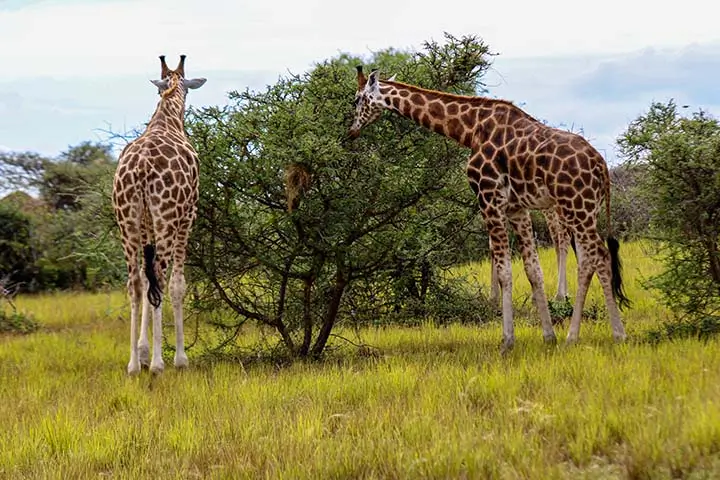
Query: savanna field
x,y
429,402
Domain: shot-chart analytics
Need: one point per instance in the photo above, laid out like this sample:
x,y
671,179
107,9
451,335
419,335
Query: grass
x,y
436,403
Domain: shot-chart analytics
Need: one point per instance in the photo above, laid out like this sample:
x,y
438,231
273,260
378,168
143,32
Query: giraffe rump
x,y
297,182
154,293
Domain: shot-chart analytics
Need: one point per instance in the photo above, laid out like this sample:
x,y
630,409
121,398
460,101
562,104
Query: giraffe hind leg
x,y
134,288
586,269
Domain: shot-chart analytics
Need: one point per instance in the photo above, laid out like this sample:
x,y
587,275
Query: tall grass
x,y
435,403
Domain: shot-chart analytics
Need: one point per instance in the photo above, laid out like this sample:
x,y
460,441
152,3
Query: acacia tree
x,y
366,220
680,160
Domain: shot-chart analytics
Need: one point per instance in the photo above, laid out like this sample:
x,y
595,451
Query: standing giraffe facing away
x,y
517,164
155,195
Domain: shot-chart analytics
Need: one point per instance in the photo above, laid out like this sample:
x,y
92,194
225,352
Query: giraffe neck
x,y
170,112
454,116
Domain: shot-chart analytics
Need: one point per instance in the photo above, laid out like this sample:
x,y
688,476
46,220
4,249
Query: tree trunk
x,y
714,257
426,274
333,308
307,317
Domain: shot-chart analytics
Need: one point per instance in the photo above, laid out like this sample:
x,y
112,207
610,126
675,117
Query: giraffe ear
x,y
392,79
161,84
194,83
373,79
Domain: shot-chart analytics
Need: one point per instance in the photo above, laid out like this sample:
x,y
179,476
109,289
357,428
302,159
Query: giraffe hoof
x,y
550,338
133,368
507,345
619,337
157,368
181,361
571,340
144,355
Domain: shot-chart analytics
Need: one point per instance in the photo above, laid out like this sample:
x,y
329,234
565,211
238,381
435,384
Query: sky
x,y
71,70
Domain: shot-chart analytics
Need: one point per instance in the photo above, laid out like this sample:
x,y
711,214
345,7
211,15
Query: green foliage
x,y
13,321
76,173
17,322
700,328
16,256
66,238
680,160
375,211
560,309
630,208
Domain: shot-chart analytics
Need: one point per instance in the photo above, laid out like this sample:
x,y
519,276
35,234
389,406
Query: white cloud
x,y
120,37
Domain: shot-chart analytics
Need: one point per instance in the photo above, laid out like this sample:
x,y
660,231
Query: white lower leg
x,y
133,365
535,275
144,344
585,273
494,284
562,290
177,294
157,365
615,321
505,279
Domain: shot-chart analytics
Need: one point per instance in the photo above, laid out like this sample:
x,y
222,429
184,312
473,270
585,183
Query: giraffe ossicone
x,y
517,164
155,192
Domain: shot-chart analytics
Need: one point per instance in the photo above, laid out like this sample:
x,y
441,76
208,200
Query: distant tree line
x,y
56,226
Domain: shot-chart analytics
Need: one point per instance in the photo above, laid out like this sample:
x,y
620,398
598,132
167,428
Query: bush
x,y
680,161
14,322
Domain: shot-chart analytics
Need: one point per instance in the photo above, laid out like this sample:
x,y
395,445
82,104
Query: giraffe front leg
x,y
522,224
177,294
502,265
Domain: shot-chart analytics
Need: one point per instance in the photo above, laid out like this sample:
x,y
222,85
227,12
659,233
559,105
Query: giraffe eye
x,y
356,101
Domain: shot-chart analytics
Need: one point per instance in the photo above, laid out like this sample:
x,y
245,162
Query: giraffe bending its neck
x,y
517,164
154,195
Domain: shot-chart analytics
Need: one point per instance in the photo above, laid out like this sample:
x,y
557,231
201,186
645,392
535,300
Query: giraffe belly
x,y
537,198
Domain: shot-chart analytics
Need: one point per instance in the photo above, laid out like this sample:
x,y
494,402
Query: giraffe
x,y
517,164
155,192
561,240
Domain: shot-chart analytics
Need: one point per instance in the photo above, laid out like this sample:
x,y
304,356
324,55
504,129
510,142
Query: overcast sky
x,y
70,68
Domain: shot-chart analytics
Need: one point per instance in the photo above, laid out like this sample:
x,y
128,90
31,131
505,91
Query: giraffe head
x,y
170,80
368,101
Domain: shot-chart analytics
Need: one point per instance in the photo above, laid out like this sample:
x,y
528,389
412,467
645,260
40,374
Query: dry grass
x,y
437,403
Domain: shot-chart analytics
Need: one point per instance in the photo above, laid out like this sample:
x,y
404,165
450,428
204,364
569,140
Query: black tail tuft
x,y
572,243
154,293
616,267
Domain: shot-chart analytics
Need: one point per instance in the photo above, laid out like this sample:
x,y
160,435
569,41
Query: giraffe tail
x,y
154,293
615,263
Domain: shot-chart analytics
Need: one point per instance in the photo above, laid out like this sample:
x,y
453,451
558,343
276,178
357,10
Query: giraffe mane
x,y
174,82
473,99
